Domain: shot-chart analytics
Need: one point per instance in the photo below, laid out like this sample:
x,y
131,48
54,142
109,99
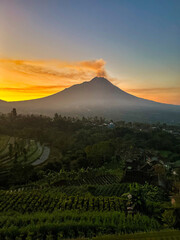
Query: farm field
x,y
3,142
97,190
83,190
103,179
17,150
70,224
43,155
40,200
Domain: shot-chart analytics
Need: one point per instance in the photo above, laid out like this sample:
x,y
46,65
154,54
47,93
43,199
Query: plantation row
x,y
97,190
113,190
33,201
99,180
90,180
72,224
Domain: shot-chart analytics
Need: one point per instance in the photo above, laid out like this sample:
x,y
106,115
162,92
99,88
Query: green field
x,y
40,200
97,190
18,150
70,224
97,183
3,142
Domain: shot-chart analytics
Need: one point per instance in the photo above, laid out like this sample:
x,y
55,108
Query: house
x,y
111,125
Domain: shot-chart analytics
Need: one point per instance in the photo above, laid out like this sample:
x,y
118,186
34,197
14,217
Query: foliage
x,y
71,224
79,191
40,200
169,218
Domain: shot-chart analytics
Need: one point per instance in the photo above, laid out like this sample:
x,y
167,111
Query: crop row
x,y
111,190
90,180
99,180
97,190
38,201
71,224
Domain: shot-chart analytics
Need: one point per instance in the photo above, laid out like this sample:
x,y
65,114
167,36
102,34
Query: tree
x,y
56,116
14,113
99,153
160,172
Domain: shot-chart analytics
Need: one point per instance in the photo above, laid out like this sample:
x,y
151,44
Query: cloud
x,y
155,90
162,94
29,79
57,68
31,88
97,66
45,76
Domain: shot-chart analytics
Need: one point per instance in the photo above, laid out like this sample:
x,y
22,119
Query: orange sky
x,y
30,79
139,40
27,79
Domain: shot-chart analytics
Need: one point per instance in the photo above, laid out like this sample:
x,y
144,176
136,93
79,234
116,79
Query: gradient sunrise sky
x,y
48,45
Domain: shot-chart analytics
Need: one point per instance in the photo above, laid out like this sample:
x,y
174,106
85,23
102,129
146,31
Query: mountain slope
x,y
97,97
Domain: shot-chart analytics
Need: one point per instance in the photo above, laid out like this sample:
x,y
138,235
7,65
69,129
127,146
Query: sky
x,y
49,45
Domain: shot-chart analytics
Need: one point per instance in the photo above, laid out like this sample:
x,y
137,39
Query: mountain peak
x,y
97,97
99,80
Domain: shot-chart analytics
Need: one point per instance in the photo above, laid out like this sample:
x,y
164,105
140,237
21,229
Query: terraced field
x,y
71,224
50,214
3,142
103,179
40,200
24,151
43,157
97,190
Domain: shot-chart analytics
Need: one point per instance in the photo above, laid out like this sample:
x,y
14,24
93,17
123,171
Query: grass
x,y
168,234
161,235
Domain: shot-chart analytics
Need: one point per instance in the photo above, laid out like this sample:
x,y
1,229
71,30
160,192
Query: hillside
x,y
97,180
98,97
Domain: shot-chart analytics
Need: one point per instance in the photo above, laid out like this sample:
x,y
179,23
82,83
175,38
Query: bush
x,y
169,218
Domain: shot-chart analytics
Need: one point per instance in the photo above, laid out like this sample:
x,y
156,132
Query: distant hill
x,y
98,97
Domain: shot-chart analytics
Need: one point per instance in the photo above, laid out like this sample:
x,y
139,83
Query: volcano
x,y
98,97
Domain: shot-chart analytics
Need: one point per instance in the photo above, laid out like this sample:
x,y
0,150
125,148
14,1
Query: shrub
x,y
169,218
